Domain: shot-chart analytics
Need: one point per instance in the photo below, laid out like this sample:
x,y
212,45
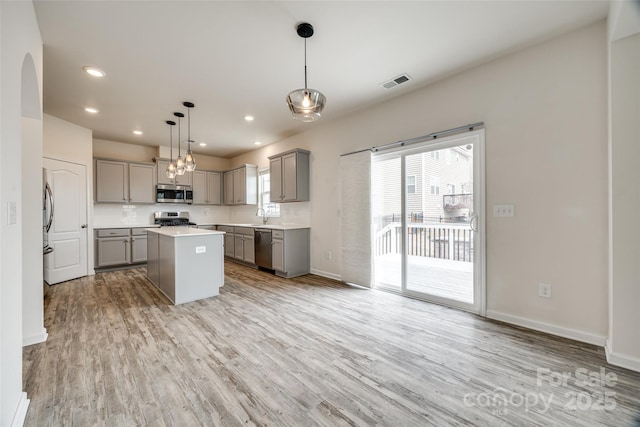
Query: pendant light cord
x,y
171,141
305,63
178,136
189,128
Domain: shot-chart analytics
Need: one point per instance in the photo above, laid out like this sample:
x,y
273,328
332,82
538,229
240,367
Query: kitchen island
x,y
186,264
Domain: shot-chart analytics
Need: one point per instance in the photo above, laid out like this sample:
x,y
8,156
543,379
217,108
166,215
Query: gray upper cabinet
x,y
123,182
161,169
241,186
141,183
207,188
289,175
111,181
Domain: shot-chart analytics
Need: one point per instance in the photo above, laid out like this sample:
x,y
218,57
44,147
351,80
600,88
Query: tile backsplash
x,y
110,215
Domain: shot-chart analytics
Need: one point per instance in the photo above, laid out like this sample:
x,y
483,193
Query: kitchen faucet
x,y
264,215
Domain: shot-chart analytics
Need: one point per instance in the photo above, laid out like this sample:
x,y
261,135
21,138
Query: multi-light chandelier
x,y
180,165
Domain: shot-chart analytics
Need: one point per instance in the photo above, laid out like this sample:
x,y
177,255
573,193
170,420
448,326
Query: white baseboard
x,y
35,339
549,328
621,360
21,411
326,274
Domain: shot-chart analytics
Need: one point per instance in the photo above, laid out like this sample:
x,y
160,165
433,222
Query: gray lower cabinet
x,y
291,252
138,245
244,245
229,240
113,251
120,246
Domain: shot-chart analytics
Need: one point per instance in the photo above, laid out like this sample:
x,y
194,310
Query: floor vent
x,y
396,81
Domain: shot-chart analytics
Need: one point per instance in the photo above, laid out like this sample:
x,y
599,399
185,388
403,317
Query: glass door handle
x,y
474,222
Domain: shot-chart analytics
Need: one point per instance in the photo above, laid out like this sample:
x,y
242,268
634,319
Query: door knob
x,y
83,226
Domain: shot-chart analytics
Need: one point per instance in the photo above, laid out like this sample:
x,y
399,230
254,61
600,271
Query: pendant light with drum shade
x,y
171,167
179,161
306,104
189,161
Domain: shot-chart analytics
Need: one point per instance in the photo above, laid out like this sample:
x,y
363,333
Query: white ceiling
x,y
233,58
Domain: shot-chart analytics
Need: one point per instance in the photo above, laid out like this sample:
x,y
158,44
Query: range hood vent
x,y
396,81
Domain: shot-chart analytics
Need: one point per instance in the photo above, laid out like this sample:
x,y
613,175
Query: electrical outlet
x,y
504,210
544,290
329,255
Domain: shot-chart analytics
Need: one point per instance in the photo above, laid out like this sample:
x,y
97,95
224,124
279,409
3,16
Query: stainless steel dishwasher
x,y
263,248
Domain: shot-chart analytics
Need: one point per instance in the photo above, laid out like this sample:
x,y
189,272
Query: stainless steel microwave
x,y
174,194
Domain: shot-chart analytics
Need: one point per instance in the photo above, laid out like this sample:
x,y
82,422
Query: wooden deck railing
x,y
447,241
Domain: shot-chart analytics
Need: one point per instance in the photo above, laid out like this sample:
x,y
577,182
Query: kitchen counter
x,y
106,227
265,226
183,231
186,264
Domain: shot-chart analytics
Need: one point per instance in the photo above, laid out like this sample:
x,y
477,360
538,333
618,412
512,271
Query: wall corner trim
x,y
35,339
21,411
549,328
621,360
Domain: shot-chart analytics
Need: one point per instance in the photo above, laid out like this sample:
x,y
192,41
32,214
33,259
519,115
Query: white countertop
x,y
265,226
183,231
102,227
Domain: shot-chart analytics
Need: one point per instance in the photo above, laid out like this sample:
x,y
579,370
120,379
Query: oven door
x,y
170,194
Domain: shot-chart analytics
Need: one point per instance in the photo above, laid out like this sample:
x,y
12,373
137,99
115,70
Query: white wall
x,y
19,37
545,110
623,344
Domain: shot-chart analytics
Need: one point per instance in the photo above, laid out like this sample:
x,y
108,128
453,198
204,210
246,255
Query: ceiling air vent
x,y
395,81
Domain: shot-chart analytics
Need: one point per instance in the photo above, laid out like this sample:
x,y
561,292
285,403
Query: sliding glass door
x,y
428,234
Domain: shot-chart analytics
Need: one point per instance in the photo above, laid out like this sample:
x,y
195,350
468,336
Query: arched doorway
x,y
33,330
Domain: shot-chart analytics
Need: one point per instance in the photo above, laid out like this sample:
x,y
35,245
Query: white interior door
x,y
68,233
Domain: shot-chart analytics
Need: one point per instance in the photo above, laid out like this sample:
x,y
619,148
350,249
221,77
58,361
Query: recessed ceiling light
x,y
91,110
248,118
203,144
93,71
257,142
137,132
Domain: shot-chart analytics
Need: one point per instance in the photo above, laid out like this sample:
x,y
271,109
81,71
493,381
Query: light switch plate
x,y
11,213
507,210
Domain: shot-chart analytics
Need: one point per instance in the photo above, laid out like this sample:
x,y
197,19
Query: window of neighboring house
x,y
435,155
435,185
264,195
411,184
447,156
451,189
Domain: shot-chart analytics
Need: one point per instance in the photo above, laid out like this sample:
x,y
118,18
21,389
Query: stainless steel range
x,y
172,219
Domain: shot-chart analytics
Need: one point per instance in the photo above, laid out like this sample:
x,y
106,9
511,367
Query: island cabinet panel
x,y
190,263
153,260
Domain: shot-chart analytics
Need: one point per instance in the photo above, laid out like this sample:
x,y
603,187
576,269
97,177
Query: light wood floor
x,y
300,352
